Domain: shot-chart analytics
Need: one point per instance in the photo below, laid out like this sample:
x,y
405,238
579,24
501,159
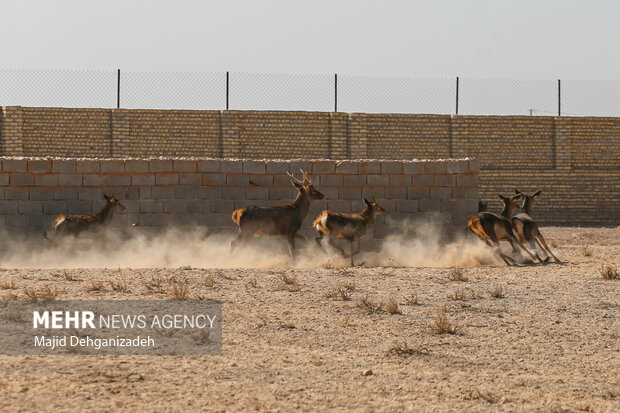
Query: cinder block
x,y
215,219
370,167
175,206
440,193
369,192
55,207
121,180
434,167
42,194
91,180
21,179
41,221
418,193
276,167
131,206
88,166
22,194
151,206
283,180
281,193
400,180
112,165
184,165
254,167
316,207
233,193
221,205
261,180
162,192
160,165
30,207
474,165
143,179
231,167
136,165
64,166
256,192
465,193
190,178
64,194
4,179
8,207
467,180
445,180
395,192
166,178
349,193
339,205
214,179
40,166
392,167
83,207
296,165
145,192
186,192
329,192
413,168
323,167
90,194
378,180
430,205
208,165
14,165
407,205
209,192
237,180
347,167
186,220
423,180
457,166
69,179
46,179
331,180
198,205
18,221
354,180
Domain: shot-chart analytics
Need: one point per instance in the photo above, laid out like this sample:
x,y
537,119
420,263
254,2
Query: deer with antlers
x,y
73,224
527,229
492,228
280,220
351,227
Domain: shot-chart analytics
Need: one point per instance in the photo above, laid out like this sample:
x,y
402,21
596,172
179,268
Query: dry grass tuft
x,y
458,295
340,291
8,285
457,274
391,306
479,394
369,306
179,291
497,291
286,324
48,293
442,325
291,284
69,276
252,283
209,282
403,350
119,286
412,299
95,286
586,251
609,273
30,294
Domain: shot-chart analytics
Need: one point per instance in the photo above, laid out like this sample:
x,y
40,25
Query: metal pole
x,y
457,95
227,88
335,92
559,98
118,89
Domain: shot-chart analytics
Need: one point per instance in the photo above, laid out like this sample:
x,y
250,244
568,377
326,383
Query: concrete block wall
x,y
190,192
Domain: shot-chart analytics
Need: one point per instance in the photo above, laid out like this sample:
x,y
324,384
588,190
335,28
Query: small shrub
x,y
8,285
457,274
442,325
252,283
458,295
369,306
586,251
179,291
48,293
209,282
609,273
497,291
412,299
95,286
391,306
119,286
69,276
290,283
31,294
286,324
339,292
403,349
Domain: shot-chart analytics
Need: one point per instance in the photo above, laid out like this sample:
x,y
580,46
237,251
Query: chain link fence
x,y
259,91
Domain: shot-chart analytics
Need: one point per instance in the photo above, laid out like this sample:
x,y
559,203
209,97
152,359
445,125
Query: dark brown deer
x,y
527,229
75,224
281,220
492,228
351,227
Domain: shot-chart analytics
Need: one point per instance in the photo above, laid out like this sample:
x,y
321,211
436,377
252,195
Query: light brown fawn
x,y
492,228
527,229
282,220
75,224
351,227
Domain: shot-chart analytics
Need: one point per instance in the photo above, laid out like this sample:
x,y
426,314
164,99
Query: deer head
x,y
373,207
112,203
305,187
528,201
510,204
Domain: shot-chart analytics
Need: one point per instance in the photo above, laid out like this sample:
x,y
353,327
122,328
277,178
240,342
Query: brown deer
x,y
281,220
75,224
492,228
351,227
527,229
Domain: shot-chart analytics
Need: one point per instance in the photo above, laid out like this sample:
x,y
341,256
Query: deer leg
x,y
319,239
541,241
331,242
534,248
291,244
514,239
507,260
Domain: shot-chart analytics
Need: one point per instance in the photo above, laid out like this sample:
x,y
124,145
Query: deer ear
x,y
517,191
537,193
367,202
297,185
372,199
106,197
500,197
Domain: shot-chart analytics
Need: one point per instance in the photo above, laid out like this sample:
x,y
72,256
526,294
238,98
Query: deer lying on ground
x,y
282,220
75,224
492,228
527,229
351,227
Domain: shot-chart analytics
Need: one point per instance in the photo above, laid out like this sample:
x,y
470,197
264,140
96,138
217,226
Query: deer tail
x,y
59,220
236,216
320,223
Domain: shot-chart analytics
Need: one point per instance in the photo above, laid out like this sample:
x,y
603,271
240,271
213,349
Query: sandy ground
x,y
552,343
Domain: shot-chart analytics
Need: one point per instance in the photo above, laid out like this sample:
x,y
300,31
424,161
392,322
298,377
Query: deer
x,y
492,228
527,229
73,224
280,220
351,227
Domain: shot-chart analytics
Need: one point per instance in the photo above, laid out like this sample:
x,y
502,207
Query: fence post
x,y
457,95
118,89
227,88
335,92
559,98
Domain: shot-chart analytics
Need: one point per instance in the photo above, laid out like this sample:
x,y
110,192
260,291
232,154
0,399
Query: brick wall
x,y
192,192
576,161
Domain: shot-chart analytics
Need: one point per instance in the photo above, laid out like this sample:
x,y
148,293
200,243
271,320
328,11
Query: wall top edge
x,y
193,158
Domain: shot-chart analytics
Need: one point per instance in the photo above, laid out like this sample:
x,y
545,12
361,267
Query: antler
x,y
306,180
300,182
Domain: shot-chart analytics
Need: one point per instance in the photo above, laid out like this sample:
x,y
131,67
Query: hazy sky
x,y
486,38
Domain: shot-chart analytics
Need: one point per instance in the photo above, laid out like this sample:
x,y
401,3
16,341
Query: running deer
x,y
351,227
527,229
75,224
492,228
282,220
